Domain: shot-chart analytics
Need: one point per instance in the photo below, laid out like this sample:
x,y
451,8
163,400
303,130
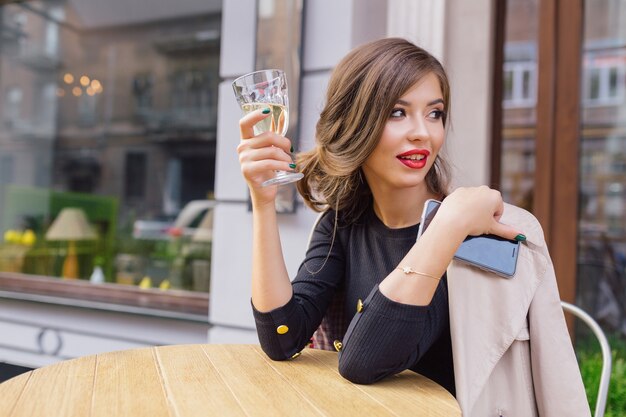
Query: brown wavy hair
x,y
363,90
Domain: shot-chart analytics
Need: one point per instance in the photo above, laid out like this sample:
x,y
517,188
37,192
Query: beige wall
x,y
468,58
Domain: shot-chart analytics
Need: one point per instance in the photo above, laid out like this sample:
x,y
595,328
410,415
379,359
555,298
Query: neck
x,y
401,208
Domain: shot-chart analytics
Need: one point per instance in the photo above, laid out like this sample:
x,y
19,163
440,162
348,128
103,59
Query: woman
x,y
380,296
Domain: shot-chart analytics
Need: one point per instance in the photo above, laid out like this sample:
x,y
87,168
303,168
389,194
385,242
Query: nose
x,y
418,130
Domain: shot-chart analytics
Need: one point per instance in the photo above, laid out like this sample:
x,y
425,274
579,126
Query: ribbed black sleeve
x,y
385,337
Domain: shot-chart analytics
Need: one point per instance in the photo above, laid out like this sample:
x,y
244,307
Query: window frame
x,y
188,305
559,72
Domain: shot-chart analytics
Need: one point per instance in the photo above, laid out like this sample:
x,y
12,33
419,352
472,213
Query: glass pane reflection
x,y
602,219
519,99
114,113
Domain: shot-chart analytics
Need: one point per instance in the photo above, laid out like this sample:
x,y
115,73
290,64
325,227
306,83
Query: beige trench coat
x,y
512,352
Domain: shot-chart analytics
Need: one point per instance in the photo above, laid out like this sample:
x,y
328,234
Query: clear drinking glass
x,y
267,89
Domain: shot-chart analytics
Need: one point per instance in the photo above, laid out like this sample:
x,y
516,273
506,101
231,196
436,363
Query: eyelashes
x,y
397,113
437,114
434,114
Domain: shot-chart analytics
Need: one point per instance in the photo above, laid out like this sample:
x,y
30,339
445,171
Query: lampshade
x,y
70,224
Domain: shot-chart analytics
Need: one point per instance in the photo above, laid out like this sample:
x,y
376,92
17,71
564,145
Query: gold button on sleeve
x,y
359,306
282,329
295,355
338,345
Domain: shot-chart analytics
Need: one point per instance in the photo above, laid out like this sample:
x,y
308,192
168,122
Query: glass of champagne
x,y
267,89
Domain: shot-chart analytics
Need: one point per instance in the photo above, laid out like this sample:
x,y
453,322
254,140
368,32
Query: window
x,y
13,106
142,90
603,82
7,169
135,175
520,84
114,113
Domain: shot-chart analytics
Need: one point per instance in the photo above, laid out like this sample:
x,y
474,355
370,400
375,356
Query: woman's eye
x,y
397,113
436,114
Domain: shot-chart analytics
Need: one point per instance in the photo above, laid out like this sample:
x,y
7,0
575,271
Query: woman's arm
x,y
271,287
317,280
467,211
408,313
285,322
259,157
387,337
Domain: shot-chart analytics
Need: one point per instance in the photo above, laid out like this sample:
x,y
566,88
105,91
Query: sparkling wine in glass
x,y
267,89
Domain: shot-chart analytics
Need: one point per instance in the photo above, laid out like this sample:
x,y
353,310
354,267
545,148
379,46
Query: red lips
x,y
415,158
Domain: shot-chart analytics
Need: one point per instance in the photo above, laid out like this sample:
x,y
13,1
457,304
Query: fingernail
x,y
266,110
292,166
520,238
291,150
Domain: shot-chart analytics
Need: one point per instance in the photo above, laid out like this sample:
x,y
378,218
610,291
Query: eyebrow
x,y
432,103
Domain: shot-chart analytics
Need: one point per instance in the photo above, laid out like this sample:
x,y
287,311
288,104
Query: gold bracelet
x,y
408,270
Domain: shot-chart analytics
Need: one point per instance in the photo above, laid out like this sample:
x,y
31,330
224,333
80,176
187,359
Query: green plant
x,y
197,250
590,361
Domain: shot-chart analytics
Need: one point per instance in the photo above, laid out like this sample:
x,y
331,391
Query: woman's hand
x,y
260,156
477,211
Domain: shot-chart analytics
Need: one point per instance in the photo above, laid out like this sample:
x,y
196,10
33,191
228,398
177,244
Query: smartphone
x,y
488,252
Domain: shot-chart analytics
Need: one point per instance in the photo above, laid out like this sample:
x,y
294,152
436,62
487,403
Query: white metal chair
x,y
605,376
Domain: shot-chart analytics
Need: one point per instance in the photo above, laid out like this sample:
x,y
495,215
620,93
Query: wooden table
x,y
214,380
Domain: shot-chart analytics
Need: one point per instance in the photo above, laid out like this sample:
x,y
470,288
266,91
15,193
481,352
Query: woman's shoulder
x,y
331,219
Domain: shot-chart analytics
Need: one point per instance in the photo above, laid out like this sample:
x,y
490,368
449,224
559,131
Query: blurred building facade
x,y
131,102
591,133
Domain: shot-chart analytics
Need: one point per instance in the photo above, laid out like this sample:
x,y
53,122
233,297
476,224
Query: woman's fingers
x,y
499,205
506,231
261,155
256,172
501,229
252,169
247,122
265,140
478,210
259,158
271,152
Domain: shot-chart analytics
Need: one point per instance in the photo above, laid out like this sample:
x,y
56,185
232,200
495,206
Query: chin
x,y
411,182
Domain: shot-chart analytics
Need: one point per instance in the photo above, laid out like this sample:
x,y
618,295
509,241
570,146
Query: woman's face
x,y
411,140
